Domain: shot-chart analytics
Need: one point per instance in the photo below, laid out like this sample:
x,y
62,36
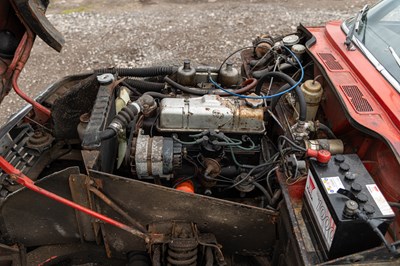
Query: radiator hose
x,y
143,85
139,72
129,113
248,85
291,82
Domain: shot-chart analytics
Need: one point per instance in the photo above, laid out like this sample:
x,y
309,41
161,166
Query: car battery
x,y
335,233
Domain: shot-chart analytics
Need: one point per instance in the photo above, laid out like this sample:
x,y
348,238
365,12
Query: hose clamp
x,y
137,106
117,127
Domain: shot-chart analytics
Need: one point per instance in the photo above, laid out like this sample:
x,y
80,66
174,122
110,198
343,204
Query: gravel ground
x,y
129,33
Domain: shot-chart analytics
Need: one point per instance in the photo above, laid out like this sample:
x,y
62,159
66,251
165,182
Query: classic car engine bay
x,y
246,163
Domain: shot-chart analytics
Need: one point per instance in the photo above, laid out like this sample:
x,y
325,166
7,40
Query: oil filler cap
x,y
253,102
291,40
105,79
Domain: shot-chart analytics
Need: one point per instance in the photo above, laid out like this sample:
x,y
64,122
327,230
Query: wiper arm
x,y
395,55
360,17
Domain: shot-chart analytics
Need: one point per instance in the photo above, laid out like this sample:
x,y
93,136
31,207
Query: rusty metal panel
x,y
75,96
72,254
294,246
79,192
375,256
34,220
239,228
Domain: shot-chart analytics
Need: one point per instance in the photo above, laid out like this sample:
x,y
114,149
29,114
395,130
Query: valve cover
x,y
210,112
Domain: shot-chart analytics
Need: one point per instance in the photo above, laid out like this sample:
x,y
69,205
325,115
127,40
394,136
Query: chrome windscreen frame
x,y
373,60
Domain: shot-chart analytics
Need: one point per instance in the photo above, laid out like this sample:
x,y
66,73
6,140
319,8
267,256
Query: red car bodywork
x,y
361,106
362,101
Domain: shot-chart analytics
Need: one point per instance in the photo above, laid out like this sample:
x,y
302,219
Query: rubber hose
x,y
259,62
139,72
132,89
126,115
248,85
259,73
394,204
264,191
158,95
143,85
276,197
108,133
327,130
184,88
123,118
282,76
230,171
275,100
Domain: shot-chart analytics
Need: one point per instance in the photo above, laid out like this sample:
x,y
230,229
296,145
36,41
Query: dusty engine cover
x,y
210,112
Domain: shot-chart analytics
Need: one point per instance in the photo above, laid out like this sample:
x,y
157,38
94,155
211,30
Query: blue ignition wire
x,y
267,96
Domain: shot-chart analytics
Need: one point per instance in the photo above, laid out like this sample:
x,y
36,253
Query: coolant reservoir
x,y
312,91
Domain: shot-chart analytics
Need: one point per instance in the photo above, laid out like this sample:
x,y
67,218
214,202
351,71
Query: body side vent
x,y
356,97
330,61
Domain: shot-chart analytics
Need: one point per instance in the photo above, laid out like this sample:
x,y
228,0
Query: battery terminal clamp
x,y
350,208
322,156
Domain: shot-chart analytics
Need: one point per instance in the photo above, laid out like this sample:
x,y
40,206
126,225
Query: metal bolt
x,y
186,64
351,208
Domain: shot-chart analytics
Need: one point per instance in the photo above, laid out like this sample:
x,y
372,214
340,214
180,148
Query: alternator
x,y
155,156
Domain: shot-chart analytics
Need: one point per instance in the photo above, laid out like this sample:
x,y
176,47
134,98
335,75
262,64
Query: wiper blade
x,y
395,55
360,17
